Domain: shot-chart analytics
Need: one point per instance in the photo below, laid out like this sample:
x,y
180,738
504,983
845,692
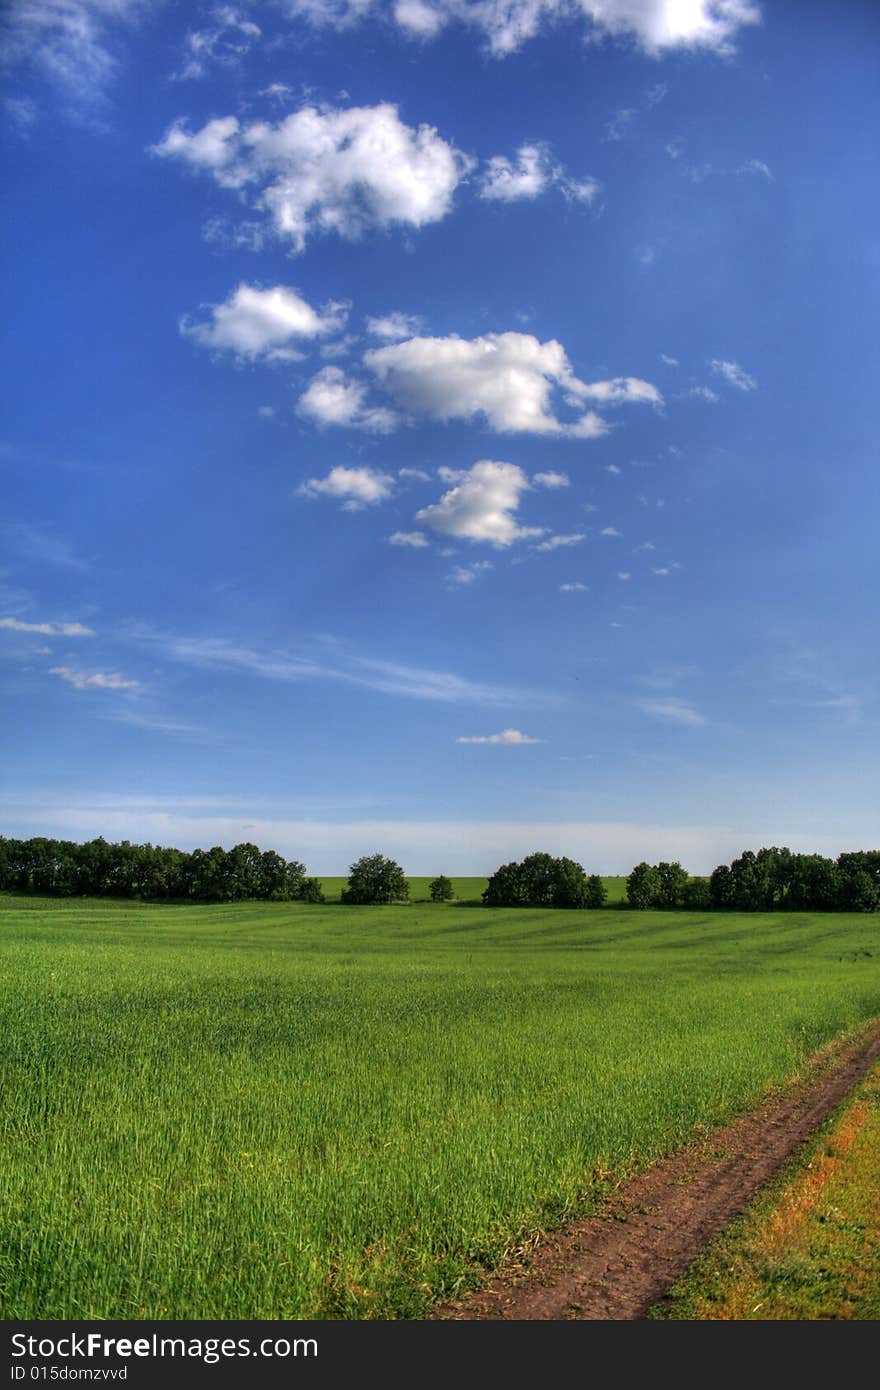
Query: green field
x,y
286,1111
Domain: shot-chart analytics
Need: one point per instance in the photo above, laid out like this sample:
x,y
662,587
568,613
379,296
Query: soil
x,y
620,1262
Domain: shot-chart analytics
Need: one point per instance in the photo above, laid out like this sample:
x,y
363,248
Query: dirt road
x,y
616,1264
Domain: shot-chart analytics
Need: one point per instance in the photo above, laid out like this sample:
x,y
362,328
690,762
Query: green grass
x,y
467,890
282,1111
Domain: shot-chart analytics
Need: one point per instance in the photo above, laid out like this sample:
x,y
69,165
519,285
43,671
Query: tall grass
x,y
270,1110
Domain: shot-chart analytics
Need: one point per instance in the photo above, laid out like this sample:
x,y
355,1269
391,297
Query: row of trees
x,y
64,869
769,880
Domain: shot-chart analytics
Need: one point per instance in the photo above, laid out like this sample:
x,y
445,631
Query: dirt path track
x,y
616,1264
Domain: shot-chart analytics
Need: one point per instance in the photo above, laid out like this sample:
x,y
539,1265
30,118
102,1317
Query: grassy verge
x,y
808,1247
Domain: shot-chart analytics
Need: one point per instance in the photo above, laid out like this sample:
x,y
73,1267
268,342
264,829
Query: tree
x,y
311,891
375,879
569,884
597,893
697,895
441,890
672,881
642,886
505,888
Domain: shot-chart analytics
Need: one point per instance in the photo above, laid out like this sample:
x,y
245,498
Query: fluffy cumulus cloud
x,y
734,375
46,629
481,506
100,680
327,170
355,488
255,323
332,398
529,174
656,25
508,378
509,738
551,480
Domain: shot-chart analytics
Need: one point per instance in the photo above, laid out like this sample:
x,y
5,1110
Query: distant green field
x,y
288,1111
465,889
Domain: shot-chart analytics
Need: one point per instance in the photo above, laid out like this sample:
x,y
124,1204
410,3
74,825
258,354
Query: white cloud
x,y
224,42
335,663
393,327
328,843
318,171
510,738
734,374
576,588
670,361
661,570
673,710
507,377
266,412
276,91
656,25
481,506
610,531
551,480
255,323
463,575
356,488
756,166
418,474
624,575
508,182
558,542
622,390
332,398
71,42
47,629
100,680
613,469
704,393
618,127
416,539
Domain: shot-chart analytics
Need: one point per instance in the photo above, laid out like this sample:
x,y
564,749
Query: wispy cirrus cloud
x,y
340,664
508,738
97,680
734,375
672,710
47,629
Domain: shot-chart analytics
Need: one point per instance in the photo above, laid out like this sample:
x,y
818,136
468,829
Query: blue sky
x,y
441,428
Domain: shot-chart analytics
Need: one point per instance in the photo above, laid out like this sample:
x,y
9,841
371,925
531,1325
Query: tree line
x,y
61,868
769,880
